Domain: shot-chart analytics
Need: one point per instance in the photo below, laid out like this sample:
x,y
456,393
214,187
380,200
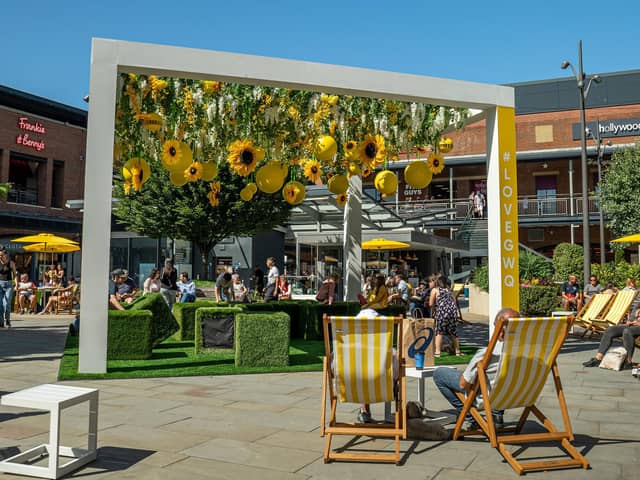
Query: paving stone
x,y
214,469
300,440
253,454
148,438
318,470
455,474
223,428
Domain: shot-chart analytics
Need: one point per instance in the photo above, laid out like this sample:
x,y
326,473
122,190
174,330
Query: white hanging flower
x,y
211,111
198,96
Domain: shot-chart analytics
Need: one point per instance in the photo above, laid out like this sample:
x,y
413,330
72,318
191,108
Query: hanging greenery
x,y
267,135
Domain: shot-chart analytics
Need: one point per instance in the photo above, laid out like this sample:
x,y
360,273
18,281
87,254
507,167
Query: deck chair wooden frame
x,y
593,310
331,387
522,373
616,312
66,299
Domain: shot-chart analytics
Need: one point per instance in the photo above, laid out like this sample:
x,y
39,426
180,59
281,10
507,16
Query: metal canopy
x,y
320,213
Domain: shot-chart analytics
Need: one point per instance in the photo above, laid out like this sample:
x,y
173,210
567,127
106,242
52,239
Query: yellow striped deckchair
x,y
358,368
617,311
529,352
592,310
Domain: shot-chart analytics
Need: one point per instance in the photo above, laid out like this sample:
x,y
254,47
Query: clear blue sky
x,y
45,45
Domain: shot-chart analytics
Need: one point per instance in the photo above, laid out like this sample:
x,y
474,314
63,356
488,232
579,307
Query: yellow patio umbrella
x,y
383,244
52,248
635,238
46,238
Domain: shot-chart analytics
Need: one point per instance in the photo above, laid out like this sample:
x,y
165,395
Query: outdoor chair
x,y
530,349
592,310
66,299
617,311
358,368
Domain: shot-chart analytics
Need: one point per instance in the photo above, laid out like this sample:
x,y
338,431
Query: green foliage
x,y
481,277
164,323
615,272
4,190
533,266
262,339
567,260
209,312
129,334
619,191
538,300
185,315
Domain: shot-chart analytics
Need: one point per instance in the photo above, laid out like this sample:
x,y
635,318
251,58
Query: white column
x,y
352,240
97,209
502,206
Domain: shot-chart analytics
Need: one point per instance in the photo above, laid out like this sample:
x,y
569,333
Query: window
x,y
535,235
546,190
57,187
27,176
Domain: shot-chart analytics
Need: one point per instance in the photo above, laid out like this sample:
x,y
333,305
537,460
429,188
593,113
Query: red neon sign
x,y
25,138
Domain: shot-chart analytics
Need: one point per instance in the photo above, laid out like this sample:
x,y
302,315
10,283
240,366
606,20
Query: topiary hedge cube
x,y
262,339
209,312
185,315
296,310
130,334
164,323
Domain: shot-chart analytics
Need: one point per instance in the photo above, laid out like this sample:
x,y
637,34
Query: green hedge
x,y
164,323
539,300
262,339
130,334
209,312
296,309
185,315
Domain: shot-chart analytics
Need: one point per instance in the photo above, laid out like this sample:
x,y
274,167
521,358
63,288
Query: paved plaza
x,y
266,426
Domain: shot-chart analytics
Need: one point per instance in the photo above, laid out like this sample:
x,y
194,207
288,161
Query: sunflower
x,y
350,150
127,187
193,172
372,150
135,172
312,170
210,86
341,199
366,171
171,154
214,194
436,163
243,157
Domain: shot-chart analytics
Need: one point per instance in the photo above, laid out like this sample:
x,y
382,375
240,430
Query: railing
x,y
527,207
23,195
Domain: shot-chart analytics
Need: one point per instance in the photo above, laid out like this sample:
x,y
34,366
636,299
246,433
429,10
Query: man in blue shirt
x,y
572,294
187,288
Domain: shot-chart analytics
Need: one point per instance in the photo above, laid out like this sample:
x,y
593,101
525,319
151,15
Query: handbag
x,y
412,329
614,358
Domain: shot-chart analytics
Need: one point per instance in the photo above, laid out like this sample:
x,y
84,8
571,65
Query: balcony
x,y
26,196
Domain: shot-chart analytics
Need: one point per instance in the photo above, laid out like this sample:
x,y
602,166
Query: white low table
x,y
564,313
53,398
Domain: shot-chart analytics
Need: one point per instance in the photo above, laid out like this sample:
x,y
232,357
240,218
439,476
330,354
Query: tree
x,y
567,260
163,209
619,190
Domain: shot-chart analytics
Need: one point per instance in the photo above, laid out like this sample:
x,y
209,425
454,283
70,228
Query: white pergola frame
x,y
112,57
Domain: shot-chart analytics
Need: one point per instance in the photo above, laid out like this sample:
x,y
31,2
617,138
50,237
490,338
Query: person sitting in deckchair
x,y
629,331
449,380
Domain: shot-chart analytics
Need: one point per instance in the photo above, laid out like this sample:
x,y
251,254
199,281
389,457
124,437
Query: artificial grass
x,y
174,358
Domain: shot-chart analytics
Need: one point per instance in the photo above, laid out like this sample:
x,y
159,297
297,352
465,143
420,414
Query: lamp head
x,y
565,64
596,79
86,98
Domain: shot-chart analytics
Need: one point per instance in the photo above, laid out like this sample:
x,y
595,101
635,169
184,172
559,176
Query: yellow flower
x,y
150,121
341,199
293,193
210,86
193,172
214,194
127,188
243,157
366,171
171,154
135,172
312,170
293,112
436,163
350,150
372,150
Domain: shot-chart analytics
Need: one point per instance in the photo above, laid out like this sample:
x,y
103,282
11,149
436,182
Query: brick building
x,y
42,147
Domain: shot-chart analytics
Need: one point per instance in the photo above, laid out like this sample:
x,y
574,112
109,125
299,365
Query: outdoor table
x,y
45,293
53,398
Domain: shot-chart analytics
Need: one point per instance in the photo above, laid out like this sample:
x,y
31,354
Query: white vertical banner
x,y
352,238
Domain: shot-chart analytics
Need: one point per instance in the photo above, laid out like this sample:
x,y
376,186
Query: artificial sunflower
x,y
172,155
350,150
293,193
214,194
436,163
193,172
243,157
341,199
136,172
312,170
150,121
209,86
127,187
365,171
372,150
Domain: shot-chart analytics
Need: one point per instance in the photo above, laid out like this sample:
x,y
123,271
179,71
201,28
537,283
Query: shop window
x,y
143,257
57,187
27,176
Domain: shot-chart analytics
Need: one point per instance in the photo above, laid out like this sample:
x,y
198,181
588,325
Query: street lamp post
x,y
583,93
600,147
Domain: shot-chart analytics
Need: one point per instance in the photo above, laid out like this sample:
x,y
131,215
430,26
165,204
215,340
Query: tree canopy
x,y
620,191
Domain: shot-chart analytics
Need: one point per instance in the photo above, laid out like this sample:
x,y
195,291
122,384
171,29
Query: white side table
x,y
564,313
53,398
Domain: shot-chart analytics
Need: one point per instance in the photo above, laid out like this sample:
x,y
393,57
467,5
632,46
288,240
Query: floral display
x,y
276,139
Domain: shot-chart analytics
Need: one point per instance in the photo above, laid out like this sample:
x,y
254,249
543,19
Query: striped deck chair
x,y
592,310
617,311
529,353
358,368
